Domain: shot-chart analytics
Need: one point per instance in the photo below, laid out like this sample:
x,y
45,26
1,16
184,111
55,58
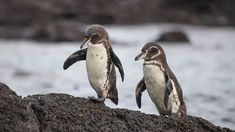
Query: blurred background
x,y
198,36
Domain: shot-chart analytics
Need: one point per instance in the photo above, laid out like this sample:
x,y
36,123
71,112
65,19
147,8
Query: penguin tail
x,y
114,100
113,96
183,110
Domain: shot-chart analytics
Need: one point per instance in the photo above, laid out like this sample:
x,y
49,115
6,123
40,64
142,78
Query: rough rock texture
x,y
58,20
15,115
173,36
61,112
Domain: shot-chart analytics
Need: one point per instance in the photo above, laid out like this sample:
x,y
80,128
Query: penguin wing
x,y
168,89
76,56
117,63
138,91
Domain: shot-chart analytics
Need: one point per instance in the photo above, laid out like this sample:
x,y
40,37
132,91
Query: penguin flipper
x,y
138,91
117,63
168,89
113,96
76,56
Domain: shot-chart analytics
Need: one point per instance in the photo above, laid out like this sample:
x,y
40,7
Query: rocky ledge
x,y
62,112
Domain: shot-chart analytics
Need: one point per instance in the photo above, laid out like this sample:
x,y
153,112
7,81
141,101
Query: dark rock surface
x,y
15,115
59,20
62,112
173,36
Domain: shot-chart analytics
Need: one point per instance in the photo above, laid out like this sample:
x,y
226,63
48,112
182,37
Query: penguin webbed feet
x,y
166,116
96,100
174,115
170,116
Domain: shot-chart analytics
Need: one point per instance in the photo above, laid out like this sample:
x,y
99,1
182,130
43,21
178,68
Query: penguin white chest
x,y
96,63
155,84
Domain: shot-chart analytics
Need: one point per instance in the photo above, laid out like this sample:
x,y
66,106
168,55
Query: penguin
x,y
160,82
100,63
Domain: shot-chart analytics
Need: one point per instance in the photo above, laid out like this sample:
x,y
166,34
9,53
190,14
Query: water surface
x,y
205,69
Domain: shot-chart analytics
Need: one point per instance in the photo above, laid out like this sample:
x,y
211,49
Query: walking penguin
x,y
100,61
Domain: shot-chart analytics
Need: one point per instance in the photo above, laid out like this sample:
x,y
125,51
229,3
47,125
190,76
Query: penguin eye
x,y
153,50
96,36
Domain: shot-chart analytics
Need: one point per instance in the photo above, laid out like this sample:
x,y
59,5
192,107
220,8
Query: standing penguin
x,y
100,61
160,82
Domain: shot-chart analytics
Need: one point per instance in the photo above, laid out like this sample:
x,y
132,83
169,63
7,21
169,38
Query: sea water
x,y
205,68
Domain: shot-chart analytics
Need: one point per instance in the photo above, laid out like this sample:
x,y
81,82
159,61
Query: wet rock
x,y
62,112
173,36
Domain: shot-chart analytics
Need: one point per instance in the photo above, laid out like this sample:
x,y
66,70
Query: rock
x,y
25,12
173,36
62,112
54,31
21,73
54,20
14,113
58,31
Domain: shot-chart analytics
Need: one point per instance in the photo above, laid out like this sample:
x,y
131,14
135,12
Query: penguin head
x,y
95,34
151,51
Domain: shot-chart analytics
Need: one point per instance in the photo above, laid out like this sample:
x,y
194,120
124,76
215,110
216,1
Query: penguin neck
x,y
102,43
95,45
154,63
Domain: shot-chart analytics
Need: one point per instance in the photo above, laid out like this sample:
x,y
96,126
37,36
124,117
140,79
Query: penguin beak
x,y
140,56
85,42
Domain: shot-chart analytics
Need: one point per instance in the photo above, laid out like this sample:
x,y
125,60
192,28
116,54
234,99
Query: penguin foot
x,y
175,115
167,116
96,100
171,116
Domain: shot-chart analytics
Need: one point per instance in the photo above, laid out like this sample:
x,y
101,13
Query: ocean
x,y
205,68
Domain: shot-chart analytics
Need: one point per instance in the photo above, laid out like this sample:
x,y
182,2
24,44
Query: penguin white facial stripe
x,y
143,55
159,51
153,47
102,41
